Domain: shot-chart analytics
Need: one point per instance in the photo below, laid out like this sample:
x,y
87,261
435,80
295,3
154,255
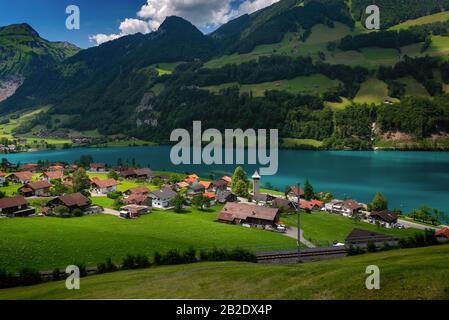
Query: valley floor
x,y
404,274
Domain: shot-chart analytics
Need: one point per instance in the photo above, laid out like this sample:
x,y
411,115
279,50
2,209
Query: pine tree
x,y
308,190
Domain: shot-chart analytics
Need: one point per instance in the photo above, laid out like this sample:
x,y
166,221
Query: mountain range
x,y
308,68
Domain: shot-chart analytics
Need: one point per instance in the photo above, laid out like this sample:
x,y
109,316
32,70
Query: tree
x,y
81,180
85,160
380,203
2,194
308,190
240,183
199,202
113,175
177,203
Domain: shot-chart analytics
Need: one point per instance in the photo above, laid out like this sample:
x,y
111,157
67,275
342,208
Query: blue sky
x,y
113,18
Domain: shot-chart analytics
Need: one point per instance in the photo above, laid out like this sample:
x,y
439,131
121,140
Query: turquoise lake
x,y
407,179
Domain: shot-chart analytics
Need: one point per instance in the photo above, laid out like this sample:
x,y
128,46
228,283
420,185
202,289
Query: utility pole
x,y
299,222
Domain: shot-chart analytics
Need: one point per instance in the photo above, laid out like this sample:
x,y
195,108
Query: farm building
x,y
2,179
16,207
386,218
23,177
241,213
51,175
97,167
104,186
72,201
36,189
161,198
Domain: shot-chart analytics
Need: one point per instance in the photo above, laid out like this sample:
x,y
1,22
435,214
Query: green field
x,y
437,17
124,185
324,229
373,91
405,274
314,84
297,143
46,243
414,88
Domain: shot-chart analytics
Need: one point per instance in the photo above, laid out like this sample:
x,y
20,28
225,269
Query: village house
x,y
144,174
442,235
284,205
128,174
263,199
51,175
138,199
313,205
224,196
15,207
195,190
97,167
67,181
242,213
161,198
71,201
221,184
208,186
191,179
142,190
133,211
385,218
211,197
227,179
56,167
2,179
360,237
104,186
347,208
292,194
23,177
36,189
181,185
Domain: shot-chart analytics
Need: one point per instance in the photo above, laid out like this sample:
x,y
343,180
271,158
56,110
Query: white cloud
x,y
202,13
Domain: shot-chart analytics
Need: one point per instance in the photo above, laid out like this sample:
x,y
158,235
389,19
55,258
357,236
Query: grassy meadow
x,y
46,243
405,274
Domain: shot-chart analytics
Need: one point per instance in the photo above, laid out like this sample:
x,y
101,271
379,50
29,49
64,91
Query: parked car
x,y
281,229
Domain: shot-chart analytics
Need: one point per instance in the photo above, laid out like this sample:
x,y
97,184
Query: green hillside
x,y
295,66
23,51
405,275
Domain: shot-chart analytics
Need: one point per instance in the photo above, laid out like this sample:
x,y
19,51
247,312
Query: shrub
x,y
129,262
354,251
142,262
173,257
157,259
7,280
190,256
371,246
107,266
114,195
29,277
82,268
386,247
239,254
56,275
77,213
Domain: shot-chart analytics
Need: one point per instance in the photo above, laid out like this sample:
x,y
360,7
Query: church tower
x,y
256,183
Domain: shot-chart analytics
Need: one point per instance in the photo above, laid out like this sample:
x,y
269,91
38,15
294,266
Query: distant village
x,y
68,190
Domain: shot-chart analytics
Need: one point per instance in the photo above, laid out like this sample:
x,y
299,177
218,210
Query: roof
x,y
221,183
182,184
57,167
6,203
191,178
228,179
127,173
206,184
443,233
164,194
261,197
360,235
36,185
97,165
30,166
209,195
222,196
136,198
306,205
294,190
105,183
282,203
139,190
144,172
242,211
351,205
74,199
256,175
53,174
2,174
385,215
198,187
23,176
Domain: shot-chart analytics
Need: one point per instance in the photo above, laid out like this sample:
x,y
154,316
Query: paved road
x,y
409,224
111,212
292,232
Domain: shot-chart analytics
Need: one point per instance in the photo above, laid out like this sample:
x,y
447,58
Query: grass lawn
x,y
46,243
414,88
437,17
296,143
313,84
373,91
124,184
11,189
323,228
104,202
405,274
